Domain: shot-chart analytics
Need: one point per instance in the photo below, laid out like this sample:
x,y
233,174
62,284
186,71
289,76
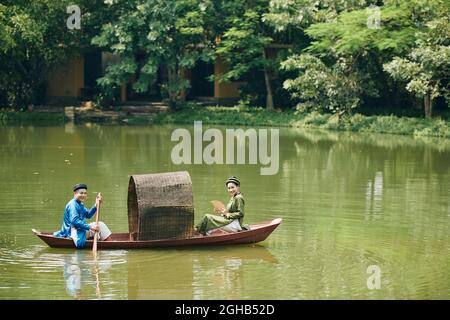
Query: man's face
x,y
80,195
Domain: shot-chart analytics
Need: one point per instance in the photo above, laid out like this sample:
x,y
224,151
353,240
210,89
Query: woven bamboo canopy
x,y
160,206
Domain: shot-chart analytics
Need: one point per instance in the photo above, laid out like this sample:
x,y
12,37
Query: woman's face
x,y
232,188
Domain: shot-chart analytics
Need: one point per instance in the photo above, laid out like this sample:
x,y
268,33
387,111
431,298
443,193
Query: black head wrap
x,y
79,186
234,180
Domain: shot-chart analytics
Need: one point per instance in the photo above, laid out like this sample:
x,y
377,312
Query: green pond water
x,y
349,203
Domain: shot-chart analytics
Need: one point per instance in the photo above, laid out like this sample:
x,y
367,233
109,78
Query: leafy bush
x,y
318,87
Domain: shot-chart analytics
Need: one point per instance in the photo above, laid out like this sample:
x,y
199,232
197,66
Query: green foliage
x,y
239,115
300,14
342,68
22,45
243,44
349,34
426,69
11,118
252,116
151,34
34,37
337,63
173,91
321,88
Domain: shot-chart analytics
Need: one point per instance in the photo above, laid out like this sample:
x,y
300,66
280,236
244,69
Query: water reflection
x,y
347,201
374,196
210,273
190,273
72,275
81,271
224,275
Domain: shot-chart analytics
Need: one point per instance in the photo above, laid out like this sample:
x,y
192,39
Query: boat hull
x,y
258,232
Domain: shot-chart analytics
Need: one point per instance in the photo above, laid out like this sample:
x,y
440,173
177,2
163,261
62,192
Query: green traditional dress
x,y
235,209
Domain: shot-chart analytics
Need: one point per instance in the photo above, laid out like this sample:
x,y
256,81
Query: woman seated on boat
x,y
231,218
74,226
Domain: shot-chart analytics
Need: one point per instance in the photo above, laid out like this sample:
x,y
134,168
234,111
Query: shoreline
x,y
217,115
436,127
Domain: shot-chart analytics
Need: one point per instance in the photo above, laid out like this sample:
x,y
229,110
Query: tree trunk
x,y
269,96
176,95
182,93
428,105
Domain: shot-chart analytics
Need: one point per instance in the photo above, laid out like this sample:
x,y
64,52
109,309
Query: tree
x,y
243,45
149,34
426,69
22,41
33,38
321,88
353,52
300,14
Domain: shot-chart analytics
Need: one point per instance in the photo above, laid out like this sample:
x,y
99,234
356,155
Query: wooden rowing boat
x,y
258,232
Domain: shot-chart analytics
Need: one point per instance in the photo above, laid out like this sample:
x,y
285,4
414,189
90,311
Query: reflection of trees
x,y
159,274
226,278
384,196
348,200
345,167
374,139
53,160
225,273
43,163
198,273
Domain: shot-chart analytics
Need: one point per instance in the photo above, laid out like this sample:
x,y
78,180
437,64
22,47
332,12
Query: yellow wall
x,y
67,79
224,89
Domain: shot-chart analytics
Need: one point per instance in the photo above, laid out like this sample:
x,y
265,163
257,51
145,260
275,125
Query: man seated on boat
x,y
74,226
231,218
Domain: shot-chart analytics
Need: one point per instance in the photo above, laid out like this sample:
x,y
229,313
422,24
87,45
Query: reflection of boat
x,y
258,232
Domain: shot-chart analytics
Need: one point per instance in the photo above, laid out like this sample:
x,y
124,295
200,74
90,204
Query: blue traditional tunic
x,y
74,215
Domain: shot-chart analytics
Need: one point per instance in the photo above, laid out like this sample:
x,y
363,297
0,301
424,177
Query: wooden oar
x,y
97,278
94,246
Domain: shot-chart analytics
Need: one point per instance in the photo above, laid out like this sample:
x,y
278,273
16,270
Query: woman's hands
x,y
225,213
